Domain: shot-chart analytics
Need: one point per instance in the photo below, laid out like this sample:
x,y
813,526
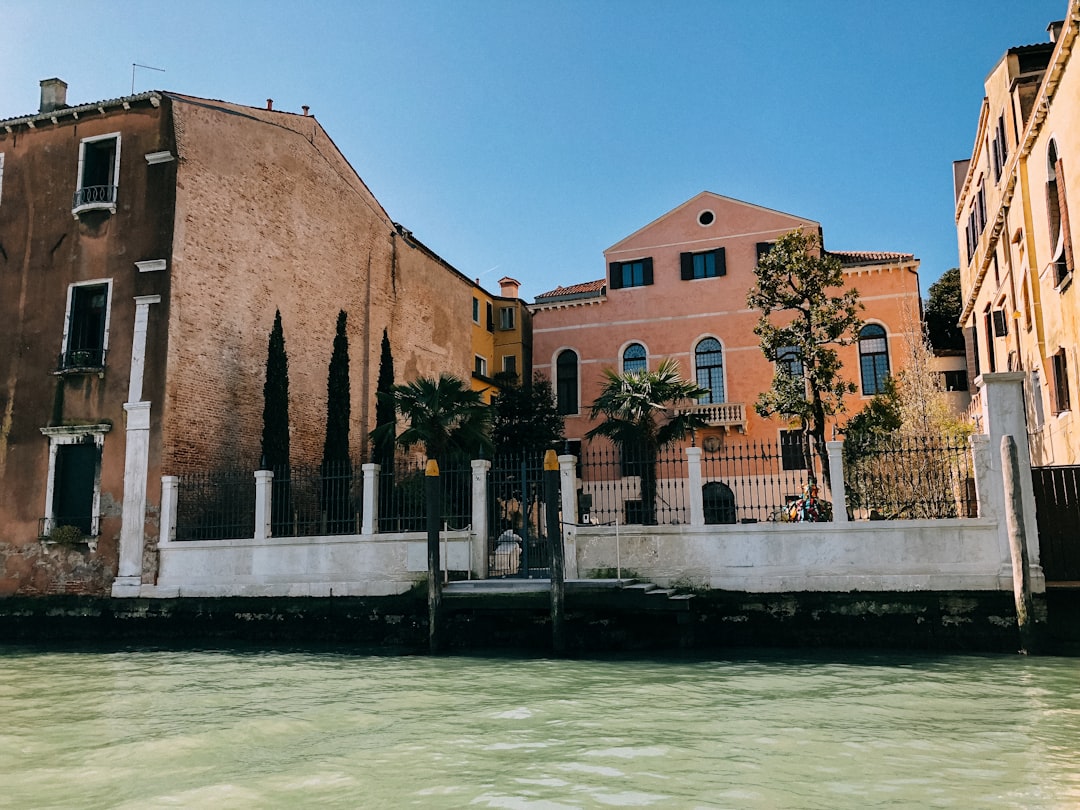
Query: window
x,y
509,363
988,331
634,359
476,310
637,273
1061,381
789,359
1036,399
86,329
709,365
566,382
955,380
873,359
1058,216
999,149
506,318
702,265
490,318
73,491
1001,323
763,249
99,173
792,450
480,366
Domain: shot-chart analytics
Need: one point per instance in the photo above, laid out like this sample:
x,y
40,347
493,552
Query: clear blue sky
x,y
522,138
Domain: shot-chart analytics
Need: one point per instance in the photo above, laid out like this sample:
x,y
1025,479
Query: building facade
x,y
501,336
677,289
1016,222
146,243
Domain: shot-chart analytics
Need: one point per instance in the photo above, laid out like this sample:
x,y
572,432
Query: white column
x,y
264,481
989,501
480,467
1006,415
136,461
371,498
697,494
568,494
170,485
838,495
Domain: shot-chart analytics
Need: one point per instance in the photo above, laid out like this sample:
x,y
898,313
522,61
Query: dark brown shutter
x,y
1063,212
646,271
615,280
721,262
686,266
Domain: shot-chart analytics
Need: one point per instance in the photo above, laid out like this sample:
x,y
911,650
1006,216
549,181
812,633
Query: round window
x,y
706,218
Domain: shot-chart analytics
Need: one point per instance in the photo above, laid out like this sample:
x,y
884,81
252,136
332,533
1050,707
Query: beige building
x,y
1016,211
145,245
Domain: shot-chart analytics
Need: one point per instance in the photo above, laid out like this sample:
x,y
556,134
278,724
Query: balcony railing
x,y
77,359
88,525
719,414
91,197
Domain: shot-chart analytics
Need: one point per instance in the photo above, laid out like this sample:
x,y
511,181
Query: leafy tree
x,y
526,418
805,314
943,311
336,464
275,436
634,406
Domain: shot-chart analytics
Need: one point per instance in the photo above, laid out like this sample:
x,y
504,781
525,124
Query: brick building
x,y
145,245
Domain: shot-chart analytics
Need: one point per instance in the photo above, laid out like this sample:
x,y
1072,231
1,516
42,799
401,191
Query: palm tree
x,y
444,415
635,408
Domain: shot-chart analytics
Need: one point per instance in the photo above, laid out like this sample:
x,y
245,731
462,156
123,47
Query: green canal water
x,y
240,729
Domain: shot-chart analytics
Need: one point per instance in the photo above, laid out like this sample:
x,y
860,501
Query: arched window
x,y
873,358
719,502
709,364
566,382
1060,238
633,359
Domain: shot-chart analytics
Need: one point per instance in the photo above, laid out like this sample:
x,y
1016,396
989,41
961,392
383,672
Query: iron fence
x,y
401,496
517,539
632,485
752,482
215,505
909,477
317,499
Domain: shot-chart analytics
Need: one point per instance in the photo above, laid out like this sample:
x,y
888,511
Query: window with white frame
x,y
709,368
73,490
480,366
873,358
634,359
789,359
509,363
99,173
506,318
86,327
566,382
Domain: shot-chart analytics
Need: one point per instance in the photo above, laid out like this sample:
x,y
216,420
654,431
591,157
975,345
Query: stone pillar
x,y
988,501
128,581
264,482
1005,414
697,495
568,494
170,485
371,498
479,536
838,495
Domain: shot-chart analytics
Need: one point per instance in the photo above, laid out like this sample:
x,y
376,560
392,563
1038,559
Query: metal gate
x,y
1057,511
517,538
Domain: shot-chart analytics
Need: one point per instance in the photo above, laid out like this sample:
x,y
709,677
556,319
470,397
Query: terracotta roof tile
x,y
851,257
576,289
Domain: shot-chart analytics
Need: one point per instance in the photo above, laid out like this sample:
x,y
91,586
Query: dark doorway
x,y
719,502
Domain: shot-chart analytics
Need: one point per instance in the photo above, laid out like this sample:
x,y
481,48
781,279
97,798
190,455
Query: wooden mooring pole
x,y
554,532
1014,523
433,503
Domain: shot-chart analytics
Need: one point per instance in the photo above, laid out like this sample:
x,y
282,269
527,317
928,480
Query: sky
x,y
524,138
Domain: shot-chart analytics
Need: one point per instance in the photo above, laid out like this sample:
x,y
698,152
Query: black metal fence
x,y
633,486
752,482
1057,510
401,496
517,539
910,477
321,499
218,505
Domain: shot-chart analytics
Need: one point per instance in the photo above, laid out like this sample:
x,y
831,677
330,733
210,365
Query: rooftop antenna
x,y
148,67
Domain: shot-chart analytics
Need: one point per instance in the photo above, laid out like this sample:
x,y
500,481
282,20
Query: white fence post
x,y
480,467
568,496
170,488
697,495
370,506
838,495
264,480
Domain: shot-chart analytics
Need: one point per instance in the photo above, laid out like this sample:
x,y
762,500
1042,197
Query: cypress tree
x,y
275,437
336,466
383,437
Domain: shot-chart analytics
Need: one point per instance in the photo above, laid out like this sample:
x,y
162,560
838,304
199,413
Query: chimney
x,y
1054,29
305,108
510,287
269,104
53,95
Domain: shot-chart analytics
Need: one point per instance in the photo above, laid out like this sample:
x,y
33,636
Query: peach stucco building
x,y
677,288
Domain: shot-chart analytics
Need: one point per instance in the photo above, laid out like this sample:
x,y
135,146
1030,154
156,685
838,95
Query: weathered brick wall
x,y
270,216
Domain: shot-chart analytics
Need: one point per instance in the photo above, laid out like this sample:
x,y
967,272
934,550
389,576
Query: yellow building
x,y
501,336
1016,215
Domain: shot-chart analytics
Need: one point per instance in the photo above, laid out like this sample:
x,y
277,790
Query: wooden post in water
x,y
1014,523
433,503
555,541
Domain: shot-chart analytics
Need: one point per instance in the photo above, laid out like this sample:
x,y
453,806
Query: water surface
x,y
236,729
